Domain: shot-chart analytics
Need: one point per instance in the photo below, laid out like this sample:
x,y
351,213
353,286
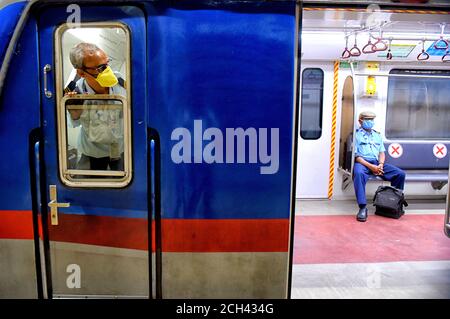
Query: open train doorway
x,y
390,62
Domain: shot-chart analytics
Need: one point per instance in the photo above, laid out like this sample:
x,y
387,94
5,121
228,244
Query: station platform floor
x,y
336,256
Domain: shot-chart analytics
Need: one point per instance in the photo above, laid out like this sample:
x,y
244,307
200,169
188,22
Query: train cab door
x,y
314,142
94,151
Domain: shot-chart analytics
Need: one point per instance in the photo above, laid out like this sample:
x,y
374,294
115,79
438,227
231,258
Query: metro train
x,y
226,114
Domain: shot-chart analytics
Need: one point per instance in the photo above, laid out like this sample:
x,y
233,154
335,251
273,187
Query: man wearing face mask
x,y
370,160
101,137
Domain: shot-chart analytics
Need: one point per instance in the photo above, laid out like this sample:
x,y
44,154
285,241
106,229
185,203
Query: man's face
x,y
369,122
94,63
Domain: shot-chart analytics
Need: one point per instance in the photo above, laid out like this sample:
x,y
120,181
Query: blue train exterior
x,y
198,228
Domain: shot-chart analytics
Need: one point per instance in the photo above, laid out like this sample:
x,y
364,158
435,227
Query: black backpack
x,y
389,202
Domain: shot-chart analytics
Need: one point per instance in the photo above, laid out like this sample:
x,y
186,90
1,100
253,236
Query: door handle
x,y
47,69
54,205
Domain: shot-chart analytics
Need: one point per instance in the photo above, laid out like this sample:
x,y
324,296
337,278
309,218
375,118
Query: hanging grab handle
x,y
379,45
389,55
437,45
441,40
355,51
346,53
368,48
446,57
423,56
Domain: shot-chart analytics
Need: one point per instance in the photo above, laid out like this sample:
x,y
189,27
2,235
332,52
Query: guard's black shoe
x,y
362,215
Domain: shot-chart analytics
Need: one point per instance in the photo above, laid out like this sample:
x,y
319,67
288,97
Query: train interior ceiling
x,y
324,33
381,258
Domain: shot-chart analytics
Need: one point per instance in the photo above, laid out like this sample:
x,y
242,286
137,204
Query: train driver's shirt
x,y
101,133
368,144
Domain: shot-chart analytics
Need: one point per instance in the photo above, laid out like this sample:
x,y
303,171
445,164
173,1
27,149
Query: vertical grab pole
x,y
333,128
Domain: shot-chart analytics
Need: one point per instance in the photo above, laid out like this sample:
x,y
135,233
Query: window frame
x,y
321,104
61,119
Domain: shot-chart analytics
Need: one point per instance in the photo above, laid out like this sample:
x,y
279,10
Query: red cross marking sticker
x,y
395,150
439,150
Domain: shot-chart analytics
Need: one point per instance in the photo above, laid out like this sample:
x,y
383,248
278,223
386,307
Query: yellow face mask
x,y
107,78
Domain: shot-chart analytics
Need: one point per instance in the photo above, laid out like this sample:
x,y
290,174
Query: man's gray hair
x,y
78,53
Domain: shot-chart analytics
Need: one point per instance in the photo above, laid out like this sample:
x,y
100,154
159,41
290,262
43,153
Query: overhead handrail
x,y
441,40
385,43
355,51
423,56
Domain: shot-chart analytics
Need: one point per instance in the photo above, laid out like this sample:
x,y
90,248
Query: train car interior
x,y
393,63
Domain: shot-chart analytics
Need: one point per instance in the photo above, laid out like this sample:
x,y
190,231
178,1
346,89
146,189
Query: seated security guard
x,y
369,160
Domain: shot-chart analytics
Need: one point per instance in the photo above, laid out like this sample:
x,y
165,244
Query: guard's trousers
x,y
361,174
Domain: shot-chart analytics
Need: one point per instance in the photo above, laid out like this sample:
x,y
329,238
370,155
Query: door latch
x,y
54,205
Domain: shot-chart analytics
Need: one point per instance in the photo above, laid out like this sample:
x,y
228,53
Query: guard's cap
x,y
367,115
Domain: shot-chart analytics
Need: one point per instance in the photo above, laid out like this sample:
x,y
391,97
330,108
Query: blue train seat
x,y
428,169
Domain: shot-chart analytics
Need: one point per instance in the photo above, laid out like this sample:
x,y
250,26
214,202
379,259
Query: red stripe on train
x,y
225,235
178,235
16,224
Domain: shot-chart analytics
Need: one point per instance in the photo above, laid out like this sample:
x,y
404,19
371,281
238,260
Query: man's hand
x,y
74,114
73,93
380,169
377,169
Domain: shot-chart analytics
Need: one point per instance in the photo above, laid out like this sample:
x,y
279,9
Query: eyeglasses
x,y
99,68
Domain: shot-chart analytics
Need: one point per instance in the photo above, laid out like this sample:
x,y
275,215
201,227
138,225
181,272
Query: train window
x,y
311,104
92,68
417,107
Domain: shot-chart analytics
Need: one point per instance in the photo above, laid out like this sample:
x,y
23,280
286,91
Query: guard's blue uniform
x,y
368,146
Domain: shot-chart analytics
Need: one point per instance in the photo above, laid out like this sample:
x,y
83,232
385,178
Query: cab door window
x,y
93,105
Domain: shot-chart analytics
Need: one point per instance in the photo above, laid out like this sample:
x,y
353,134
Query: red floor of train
x,y
341,239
